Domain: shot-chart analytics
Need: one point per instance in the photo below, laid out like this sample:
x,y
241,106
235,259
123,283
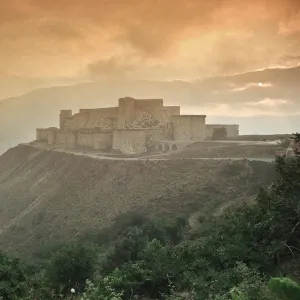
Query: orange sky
x,y
158,39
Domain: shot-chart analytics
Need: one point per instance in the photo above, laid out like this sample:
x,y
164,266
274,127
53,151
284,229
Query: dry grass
x,y
50,196
226,150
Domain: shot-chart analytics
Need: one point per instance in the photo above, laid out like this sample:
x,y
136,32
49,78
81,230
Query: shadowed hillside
x,y
47,196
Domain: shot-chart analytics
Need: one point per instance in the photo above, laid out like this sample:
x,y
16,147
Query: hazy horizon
x,y
235,61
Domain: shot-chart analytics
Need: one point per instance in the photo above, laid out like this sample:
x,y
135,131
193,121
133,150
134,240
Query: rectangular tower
x,y
126,112
64,114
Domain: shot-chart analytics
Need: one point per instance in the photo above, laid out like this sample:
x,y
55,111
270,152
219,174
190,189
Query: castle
x,y
133,127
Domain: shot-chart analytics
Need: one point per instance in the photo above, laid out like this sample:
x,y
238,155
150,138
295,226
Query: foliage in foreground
x,y
239,254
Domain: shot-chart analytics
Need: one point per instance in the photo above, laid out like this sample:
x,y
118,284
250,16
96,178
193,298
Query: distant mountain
x,y
19,116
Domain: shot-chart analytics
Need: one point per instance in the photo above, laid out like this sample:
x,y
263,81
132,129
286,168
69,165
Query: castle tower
x,y
126,112
64,114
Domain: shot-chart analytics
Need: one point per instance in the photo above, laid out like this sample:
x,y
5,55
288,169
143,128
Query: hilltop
x,y
49,196
19,116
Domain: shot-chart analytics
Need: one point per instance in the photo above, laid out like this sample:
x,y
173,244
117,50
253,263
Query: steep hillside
x,y
48,196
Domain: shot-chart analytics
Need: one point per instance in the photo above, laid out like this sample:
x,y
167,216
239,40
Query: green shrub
x,y
71,266
285,288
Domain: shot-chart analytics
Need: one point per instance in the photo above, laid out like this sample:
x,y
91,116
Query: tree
x,y
285,288
13,278
219,134
71,266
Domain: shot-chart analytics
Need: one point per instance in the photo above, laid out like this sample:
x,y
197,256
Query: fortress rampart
x,y
188,128
129,127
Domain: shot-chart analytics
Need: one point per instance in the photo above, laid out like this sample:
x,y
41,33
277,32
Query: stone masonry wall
x,y
188,128
64,114
102,140
129,141
85,139
130,126
143,119
158,134
126,112
46,134
104,118
91,118
77,121
42,134
148,104
66,137
164,115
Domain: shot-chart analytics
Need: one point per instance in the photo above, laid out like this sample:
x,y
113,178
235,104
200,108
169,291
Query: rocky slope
x,y
47,196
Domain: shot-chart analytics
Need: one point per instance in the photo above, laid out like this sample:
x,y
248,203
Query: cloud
x,y
269,102
109,67
290,60
216,37
59,30
250,85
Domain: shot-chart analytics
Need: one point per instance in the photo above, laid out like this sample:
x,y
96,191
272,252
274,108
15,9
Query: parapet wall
x,y
189,127
231,129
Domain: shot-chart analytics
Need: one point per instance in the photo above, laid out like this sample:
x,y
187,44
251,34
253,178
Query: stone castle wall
x,y
103,141
66,137
126,112
232,130
164,115
85,139
91,118
64,114
188,128
129,141
159,134
42,133
130,127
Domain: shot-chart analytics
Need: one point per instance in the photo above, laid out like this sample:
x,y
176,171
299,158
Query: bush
x,y
71,266
14,278
232,255
285,288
